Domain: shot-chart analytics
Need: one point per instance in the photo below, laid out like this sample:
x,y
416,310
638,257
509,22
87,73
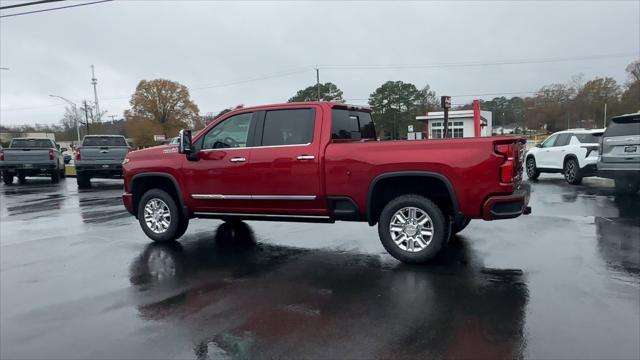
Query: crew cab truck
x,y
100,156
321,162
31,157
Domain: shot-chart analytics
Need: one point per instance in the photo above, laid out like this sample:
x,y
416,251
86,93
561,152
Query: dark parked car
x,y
620,153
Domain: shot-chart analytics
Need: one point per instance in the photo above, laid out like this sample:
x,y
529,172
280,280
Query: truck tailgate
x,y
103,153
26,155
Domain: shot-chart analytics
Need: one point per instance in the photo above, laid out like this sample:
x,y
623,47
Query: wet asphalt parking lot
x,y
79,279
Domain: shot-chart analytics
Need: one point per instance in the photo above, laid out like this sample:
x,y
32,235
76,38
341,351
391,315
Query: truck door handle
x,y
306,157
238,159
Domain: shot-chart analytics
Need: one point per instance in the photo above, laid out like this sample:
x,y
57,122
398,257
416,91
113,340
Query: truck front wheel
x,y
412,228
159,216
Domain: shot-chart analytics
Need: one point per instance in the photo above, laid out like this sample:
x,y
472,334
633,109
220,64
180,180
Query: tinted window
x,y
550,141
347,124
588,138
230,133
624,126
563,139
103,141
288,127
31,144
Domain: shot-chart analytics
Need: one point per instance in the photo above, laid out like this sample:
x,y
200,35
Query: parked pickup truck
x,y
321,162
100,156
30,157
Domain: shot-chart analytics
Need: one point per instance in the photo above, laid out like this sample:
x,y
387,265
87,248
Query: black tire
x,y
460,226
440,229
7,178
182,228
626,186
171,232
55,176
22,179
532,170
84,181
571,171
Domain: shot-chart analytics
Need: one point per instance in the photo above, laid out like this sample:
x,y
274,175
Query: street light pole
x,y
75,113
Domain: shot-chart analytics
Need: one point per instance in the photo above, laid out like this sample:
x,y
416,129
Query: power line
x,y
469,64
28,4
56,8
300,70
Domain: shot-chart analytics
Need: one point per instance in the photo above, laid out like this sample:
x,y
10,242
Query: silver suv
x,y
620,153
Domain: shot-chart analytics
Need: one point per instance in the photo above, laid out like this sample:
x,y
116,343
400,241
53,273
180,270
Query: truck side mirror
x,y
184,144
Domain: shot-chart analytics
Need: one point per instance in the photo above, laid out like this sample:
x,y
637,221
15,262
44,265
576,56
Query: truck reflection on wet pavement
x,y
80,280
262,300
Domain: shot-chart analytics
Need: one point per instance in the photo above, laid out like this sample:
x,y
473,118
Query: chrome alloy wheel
x,y
570,172
411,229
157,215
531,167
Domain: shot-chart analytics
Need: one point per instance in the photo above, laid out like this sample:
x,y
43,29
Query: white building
x,y
461,123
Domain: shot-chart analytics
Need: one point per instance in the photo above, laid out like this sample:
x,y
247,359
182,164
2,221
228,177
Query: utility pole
x,y
604,118
318,81
94,82
86,117
568,126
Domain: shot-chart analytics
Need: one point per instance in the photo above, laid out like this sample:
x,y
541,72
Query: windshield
x,y
104,141
31,144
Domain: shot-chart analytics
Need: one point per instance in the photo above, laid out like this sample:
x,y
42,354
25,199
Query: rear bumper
x,y
100,169
508,206
615,170
127,200
27,167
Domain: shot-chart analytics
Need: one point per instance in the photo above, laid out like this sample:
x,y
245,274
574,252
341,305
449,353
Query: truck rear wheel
x,y
159,216
7,178
22,179
412,228
84,181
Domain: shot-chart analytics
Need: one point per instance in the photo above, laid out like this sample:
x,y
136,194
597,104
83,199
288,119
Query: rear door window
x,y
563,139
352,125
288,127
588,138
104,141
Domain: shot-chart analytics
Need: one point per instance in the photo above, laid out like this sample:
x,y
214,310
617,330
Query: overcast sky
x,y
212,47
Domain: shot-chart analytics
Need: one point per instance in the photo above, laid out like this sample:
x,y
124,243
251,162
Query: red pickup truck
x,y
321,162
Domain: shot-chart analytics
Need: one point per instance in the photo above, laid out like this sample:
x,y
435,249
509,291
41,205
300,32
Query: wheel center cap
x,y
411,229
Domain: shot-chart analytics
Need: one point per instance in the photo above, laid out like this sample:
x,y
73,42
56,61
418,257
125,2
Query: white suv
x,y
573,153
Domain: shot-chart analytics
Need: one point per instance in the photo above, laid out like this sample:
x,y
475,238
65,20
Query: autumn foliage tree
x,y
159,107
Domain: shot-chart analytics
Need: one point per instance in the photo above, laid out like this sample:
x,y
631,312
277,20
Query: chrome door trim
x,y
262,215
220,197
283,197
253,197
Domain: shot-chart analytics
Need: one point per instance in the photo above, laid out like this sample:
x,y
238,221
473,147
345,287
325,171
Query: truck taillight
x,y
507,169
78,153
50,154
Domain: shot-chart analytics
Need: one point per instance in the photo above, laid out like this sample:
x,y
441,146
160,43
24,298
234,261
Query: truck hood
x,y
154,152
